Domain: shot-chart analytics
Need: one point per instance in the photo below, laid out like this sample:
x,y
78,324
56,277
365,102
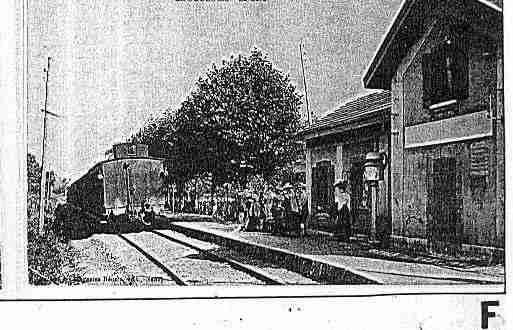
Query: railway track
x,y
154,259
173,267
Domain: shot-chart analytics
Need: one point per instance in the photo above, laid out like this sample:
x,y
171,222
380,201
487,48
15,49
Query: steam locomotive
x,y
122,193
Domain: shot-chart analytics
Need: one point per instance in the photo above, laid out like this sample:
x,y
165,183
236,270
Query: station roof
x,y
410,23
350,113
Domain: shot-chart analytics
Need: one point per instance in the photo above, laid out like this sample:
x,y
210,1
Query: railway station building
x,y
336,147
442,61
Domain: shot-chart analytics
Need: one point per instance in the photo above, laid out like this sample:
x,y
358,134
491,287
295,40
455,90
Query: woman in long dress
x,y
253,218
342,211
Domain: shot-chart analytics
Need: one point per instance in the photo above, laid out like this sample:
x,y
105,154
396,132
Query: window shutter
x,y
427,76
331,189
460,69
315,188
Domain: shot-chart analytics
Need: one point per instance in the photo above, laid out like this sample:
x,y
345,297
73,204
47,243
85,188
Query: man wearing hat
x,y
303,207
341,211
277,215
253,213
291,205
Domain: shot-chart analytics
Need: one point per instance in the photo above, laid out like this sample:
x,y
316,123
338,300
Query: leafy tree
x,y
240,120
156,134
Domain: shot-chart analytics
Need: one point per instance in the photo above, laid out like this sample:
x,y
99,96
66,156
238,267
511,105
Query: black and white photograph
x,y
255,143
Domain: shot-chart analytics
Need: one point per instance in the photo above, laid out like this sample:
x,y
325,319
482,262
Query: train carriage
x,y
125,190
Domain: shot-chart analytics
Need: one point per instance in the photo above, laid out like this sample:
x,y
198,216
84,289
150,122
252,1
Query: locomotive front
x,y
122,193
134,190
132,185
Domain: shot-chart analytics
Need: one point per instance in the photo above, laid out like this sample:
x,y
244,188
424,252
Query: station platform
x,y
327,260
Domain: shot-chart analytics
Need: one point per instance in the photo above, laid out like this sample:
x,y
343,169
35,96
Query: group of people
x,y
280,210
283,210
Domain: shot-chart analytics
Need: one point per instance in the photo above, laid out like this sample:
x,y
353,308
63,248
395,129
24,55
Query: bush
x,y
47,254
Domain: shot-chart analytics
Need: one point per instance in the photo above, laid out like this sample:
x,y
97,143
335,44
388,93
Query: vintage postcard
x,y
328,158
254,143
231,163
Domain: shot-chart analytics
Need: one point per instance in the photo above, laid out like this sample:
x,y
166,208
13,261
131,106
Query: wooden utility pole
x,y
309,117
42,186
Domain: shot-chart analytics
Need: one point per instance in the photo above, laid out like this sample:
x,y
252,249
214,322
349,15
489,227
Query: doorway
x,y
323,176
360,200
444,207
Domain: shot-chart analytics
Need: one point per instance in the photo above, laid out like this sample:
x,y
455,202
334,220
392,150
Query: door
x,y
360,203
323,176
445,204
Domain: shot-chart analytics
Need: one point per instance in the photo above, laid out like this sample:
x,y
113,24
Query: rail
x,y
155,261
252,271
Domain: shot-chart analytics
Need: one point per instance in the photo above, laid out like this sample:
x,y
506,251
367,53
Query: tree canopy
x,y
240,119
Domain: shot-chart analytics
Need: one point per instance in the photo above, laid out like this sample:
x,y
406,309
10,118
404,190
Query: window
x,y
445,75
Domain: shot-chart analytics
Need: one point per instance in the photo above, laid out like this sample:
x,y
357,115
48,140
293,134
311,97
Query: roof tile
x,y
353,110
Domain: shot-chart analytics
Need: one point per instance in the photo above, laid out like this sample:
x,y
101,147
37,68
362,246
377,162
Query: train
x,y
125,192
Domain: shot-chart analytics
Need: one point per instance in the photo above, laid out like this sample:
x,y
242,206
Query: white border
x,y
14,253
260,292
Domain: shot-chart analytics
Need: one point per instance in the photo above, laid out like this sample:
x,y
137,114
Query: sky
x,y
117,63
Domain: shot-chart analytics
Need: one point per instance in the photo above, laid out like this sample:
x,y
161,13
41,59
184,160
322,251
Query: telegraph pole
x,y
309,117
42,186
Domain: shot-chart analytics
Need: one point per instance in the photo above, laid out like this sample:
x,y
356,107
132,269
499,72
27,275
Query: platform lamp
x,y
375,163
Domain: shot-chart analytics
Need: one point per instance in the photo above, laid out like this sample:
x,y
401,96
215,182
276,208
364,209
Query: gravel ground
x,y
107,260
189,264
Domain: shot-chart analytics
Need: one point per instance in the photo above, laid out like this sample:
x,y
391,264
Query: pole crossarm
x,y
50,113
